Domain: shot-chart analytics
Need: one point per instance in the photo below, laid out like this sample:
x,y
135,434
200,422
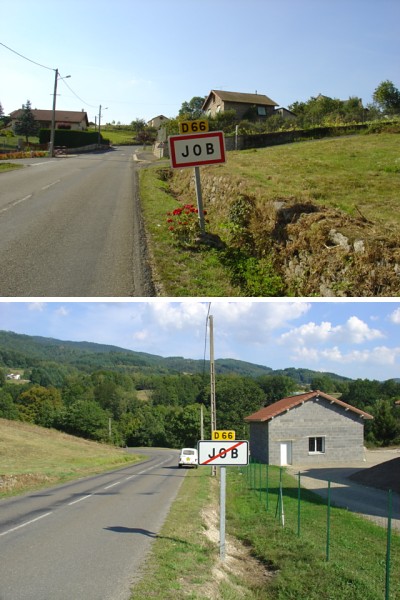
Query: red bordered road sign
x,y
224,454
196,149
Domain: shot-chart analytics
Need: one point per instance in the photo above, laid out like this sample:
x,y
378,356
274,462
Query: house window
x,y
261,111
316,445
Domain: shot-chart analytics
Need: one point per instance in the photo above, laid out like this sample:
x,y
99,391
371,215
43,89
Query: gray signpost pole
x,y
199,199
222,513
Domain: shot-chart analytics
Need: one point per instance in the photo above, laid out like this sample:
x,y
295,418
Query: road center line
x,y
79,499
15,203
46,187
25,524
111,485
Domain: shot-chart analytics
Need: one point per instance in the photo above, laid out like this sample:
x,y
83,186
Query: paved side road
x,y
369,502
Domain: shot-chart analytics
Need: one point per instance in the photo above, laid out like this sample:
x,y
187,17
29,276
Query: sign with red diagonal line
x,y
226,454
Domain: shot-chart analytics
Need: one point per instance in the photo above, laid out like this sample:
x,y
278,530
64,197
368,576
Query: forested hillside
x,y
109,393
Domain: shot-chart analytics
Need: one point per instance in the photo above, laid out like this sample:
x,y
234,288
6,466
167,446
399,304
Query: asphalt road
x,y
370,502
71,227
88,539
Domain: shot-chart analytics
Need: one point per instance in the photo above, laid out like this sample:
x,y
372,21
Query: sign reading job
x,y
198,149
223,453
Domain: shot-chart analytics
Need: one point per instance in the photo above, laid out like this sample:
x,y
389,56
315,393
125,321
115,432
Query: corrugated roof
x,y
259,99
277,408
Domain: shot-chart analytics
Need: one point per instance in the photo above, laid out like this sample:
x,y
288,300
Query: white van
x,y
188,458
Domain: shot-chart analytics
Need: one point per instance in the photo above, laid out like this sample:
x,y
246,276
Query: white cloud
x,y
354,331
395,316
380,355
62,311
38,306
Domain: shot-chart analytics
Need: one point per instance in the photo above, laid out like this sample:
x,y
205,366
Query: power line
x,y
76,95
26,58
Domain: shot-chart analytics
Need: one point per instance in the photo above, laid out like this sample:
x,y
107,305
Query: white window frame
x,y
315,439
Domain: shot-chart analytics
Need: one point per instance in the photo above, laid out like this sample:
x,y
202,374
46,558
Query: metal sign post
x,y
228,453
194,150
222,502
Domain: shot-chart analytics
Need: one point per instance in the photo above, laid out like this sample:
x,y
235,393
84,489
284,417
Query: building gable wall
x,y
341,430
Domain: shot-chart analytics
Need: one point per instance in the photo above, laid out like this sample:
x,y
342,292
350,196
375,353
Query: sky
x,y
356,339
139,59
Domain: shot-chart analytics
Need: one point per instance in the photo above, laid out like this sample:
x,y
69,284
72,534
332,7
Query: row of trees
x,y
164,410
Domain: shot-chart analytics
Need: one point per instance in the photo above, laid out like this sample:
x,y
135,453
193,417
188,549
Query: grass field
x,y
32,457
264,560
315,218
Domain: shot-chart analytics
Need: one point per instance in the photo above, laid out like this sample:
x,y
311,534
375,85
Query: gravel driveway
x,y
367,501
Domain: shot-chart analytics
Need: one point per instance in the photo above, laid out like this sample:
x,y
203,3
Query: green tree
x,y
385,426
387,97
40,405
8,409
26,124
86,418
192,110
276,387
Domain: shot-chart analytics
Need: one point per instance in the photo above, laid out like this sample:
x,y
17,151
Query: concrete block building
x,y
307,429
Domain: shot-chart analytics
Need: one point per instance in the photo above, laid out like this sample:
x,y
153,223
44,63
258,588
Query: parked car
x,y
188,457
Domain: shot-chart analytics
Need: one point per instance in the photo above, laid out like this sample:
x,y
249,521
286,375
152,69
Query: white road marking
x,y
25,524
111,485
79,499
46,187
15,203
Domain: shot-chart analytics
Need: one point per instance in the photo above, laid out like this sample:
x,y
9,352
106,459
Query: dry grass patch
x,y
32,457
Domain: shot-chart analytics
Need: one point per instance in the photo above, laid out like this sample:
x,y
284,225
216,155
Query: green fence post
x,y
388,544
298,504
266,487
328,521
260,479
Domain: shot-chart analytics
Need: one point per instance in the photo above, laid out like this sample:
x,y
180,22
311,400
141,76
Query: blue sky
x,y
144,58
358,339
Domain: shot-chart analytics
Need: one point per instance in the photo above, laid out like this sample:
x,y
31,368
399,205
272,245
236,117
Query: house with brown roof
x,y
219,101
64,119
307,429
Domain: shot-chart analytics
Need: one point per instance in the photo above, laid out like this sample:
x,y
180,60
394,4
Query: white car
x,y
188,458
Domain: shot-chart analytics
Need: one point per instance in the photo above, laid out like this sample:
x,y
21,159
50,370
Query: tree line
x,y
152,409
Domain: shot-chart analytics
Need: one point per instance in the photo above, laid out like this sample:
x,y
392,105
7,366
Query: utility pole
x,y
212,386
53,116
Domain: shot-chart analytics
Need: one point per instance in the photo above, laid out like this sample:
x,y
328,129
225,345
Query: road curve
x,y
87,539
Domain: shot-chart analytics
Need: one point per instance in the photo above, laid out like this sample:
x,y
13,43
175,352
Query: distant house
x,y
285,113
64,119
16,376
307,429
219,101
157,122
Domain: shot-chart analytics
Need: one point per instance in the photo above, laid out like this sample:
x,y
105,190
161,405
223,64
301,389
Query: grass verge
x,y
184,562
32,457
178,272
9,167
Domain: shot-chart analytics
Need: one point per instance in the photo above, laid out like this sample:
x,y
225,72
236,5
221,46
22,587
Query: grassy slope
x,y
355,175
184,562
32,457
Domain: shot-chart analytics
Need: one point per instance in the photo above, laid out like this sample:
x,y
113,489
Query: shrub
x,y
183,223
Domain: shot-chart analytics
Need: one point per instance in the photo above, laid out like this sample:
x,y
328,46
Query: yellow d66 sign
x,y
200,126
220,435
